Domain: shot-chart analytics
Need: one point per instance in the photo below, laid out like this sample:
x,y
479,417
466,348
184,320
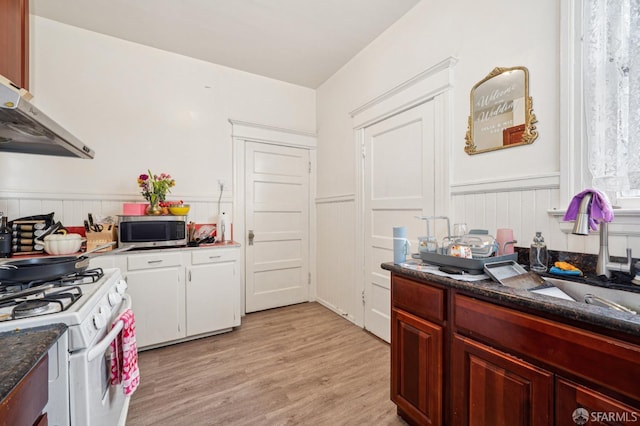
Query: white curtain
x,y
611,83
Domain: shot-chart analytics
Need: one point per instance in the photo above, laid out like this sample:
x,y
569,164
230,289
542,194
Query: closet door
x,y
277,223
399,184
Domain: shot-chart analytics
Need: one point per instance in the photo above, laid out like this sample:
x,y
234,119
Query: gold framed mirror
x,y
501,112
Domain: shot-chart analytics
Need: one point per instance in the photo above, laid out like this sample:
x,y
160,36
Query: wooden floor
x,y
297,365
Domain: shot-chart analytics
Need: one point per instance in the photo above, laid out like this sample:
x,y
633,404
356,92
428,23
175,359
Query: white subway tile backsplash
x,y
73,211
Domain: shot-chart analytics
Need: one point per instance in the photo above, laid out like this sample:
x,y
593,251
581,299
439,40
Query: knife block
x,y
107,235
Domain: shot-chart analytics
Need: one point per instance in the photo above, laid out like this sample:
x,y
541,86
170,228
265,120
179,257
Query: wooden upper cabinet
x,y
14,41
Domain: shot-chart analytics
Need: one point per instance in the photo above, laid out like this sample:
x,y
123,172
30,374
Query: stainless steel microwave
x,y
152,231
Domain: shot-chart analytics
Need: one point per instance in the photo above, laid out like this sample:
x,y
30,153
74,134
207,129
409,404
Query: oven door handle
x,y
103,344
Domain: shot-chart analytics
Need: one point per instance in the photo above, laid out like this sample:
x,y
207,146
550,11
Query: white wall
x,y
482,35
139,108
509,188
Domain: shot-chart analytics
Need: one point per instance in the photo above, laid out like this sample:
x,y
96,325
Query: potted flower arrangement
x,y
155,189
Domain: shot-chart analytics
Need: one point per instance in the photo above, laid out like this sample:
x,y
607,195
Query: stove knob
x,y
121,287
114,298
98,321
104,312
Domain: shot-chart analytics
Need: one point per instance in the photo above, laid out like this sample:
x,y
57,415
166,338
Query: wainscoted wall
x,y
337,266
526,205
520,204
531,204
72,209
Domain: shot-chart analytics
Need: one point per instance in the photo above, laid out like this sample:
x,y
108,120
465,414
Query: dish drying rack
x,y
429,237
439,258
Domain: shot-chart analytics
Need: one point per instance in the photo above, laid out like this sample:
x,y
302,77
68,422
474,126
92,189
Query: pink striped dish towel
x,y
124,355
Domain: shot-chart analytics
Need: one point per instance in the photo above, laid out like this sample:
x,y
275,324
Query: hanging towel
x,y
124,355
600,210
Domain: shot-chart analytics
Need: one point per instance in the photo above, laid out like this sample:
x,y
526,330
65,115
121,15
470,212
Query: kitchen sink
x,y
596,295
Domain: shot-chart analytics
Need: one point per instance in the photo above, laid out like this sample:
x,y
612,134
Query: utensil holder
x,y
98,238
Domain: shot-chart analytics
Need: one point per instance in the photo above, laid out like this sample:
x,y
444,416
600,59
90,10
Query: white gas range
x,y
79,375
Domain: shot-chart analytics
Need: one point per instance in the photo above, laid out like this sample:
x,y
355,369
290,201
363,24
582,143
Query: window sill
x,y
626,222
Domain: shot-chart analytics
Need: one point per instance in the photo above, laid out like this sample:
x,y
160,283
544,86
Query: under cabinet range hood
x,y
26,129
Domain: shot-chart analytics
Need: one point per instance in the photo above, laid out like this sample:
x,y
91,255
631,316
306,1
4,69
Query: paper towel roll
x,y
222,228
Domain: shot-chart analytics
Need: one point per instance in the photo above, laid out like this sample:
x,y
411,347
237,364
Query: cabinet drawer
x,y
570,395
419,299
199,257
153,260
566,348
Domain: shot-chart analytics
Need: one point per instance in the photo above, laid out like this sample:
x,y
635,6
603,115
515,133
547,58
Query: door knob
x,y
251,236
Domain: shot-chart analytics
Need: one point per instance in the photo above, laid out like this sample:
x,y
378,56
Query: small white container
x,y
58,244
460,250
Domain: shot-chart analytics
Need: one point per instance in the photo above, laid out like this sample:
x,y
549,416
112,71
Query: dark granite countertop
x,y
21,350
576,311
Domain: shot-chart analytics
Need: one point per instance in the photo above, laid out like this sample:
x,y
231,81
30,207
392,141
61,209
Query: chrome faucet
x,y
604,266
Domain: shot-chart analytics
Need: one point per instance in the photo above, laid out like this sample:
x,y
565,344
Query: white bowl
x,y
62,244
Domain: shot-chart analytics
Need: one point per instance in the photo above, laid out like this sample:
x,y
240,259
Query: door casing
x,y
243,132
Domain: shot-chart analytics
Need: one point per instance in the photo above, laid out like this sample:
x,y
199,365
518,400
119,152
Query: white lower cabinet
x,y
181,294
158,304
213,291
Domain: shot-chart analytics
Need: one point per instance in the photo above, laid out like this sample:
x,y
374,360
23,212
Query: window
x,y
601,98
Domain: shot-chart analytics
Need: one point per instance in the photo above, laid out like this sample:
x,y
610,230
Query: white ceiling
x,y
303,42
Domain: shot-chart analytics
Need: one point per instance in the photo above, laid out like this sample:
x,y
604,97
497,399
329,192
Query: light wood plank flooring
x,y
297,365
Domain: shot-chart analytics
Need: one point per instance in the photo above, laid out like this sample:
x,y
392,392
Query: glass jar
x,y
538,254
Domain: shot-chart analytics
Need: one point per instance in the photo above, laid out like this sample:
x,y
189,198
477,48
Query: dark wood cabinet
x,y
598,408
458,359
416,380
14,41
416,351
491,387
24,405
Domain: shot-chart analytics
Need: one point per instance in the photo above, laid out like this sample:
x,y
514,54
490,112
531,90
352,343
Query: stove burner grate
x,y
31,308
72,293
85,277
50,300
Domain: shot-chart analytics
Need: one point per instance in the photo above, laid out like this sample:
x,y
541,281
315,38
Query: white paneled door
x,y
277,225
399,176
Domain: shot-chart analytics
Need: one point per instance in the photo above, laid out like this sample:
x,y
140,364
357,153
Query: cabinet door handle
x,y
251,237
151,262
189,275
